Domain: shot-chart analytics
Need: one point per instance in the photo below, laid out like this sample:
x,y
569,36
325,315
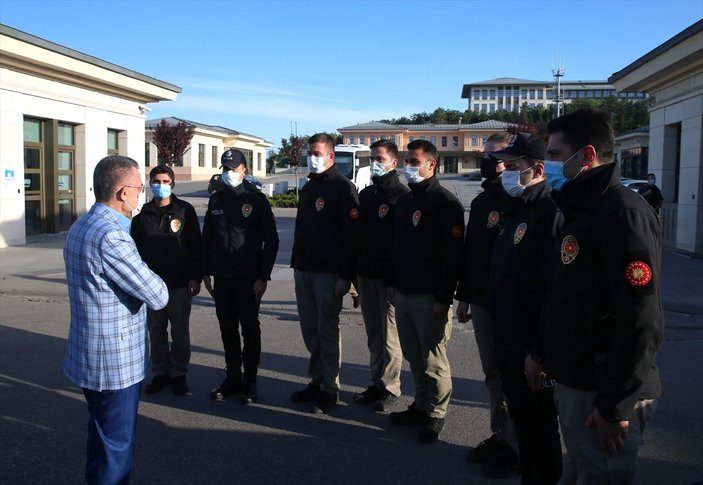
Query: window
x,y
523,93
492,108
540,94
532,94
201,154
258,162
362,140
352,140
433,140
598,94
484,140
373,139
474,140
444,139
215,159
147,153
484,107
484,94
412,138
455,141
492,94
477,94
112,141
589,94
476,107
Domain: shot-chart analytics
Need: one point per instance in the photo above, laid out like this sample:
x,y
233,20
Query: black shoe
x,y
325,402
158,382
409,416
308,394
504,465
370,395
429,433
229,386
355,301
179,385
486,451
249,394
385,402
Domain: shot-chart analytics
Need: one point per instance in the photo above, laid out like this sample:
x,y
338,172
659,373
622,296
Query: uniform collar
x,y
582,192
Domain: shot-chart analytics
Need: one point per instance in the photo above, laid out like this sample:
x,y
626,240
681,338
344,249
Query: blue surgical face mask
x,y
161,191
378,169
554,172
412,174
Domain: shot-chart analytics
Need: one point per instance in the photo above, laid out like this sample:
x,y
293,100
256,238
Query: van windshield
x,y
343,162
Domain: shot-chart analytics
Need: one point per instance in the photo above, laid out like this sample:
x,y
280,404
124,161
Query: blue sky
x,y
257,66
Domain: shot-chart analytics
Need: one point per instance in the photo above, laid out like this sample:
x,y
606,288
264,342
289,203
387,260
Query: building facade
x,y
202,159
672,75
61,112
510,94
631,153
460,146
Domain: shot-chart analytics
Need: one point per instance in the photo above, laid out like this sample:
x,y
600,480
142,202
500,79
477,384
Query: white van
x,y
353,162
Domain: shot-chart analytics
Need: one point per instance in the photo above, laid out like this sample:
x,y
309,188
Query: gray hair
x,y
109,173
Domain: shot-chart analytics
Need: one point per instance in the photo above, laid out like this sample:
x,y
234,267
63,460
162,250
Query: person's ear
x,y
589,154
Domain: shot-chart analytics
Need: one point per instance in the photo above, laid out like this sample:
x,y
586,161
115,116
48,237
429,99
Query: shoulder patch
x,y
638,273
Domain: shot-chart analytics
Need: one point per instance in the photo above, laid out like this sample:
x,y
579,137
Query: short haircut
x,y
109,173
322,138
585,127
651,175
503,137
390,147
425,146
162,169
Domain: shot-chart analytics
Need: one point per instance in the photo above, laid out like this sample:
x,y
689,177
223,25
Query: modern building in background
x,y
509,94
202,159
460,146
61,112
672,76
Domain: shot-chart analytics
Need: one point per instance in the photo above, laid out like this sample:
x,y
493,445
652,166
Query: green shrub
x,y
286,199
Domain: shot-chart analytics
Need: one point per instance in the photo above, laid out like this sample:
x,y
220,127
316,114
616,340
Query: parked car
x,y
216,184
634,184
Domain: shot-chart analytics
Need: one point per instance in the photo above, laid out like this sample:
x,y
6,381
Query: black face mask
x,y
488,168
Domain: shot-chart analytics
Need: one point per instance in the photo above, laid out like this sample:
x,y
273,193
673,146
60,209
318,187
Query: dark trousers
x,y
235,305
111,430
534,416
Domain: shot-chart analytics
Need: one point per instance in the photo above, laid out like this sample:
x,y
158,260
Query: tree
x,y
172,141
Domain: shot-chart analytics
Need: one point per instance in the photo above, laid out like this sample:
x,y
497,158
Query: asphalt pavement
x,y
190,439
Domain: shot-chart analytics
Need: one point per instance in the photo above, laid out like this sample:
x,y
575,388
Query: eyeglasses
x,y
141,188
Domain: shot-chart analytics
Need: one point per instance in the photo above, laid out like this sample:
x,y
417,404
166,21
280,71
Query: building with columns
x,y
672,75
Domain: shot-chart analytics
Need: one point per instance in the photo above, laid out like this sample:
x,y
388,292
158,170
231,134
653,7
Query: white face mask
x,y
316,164
412,174
511,182
231,178
140,202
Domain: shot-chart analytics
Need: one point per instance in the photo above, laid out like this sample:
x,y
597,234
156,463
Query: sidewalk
x,y
38,269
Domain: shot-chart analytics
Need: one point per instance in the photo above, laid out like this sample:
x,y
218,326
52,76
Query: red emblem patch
x,y
519,232
382,211
638,273
417,215
493,219
246,210
457,231
319,204
354,213
569,249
